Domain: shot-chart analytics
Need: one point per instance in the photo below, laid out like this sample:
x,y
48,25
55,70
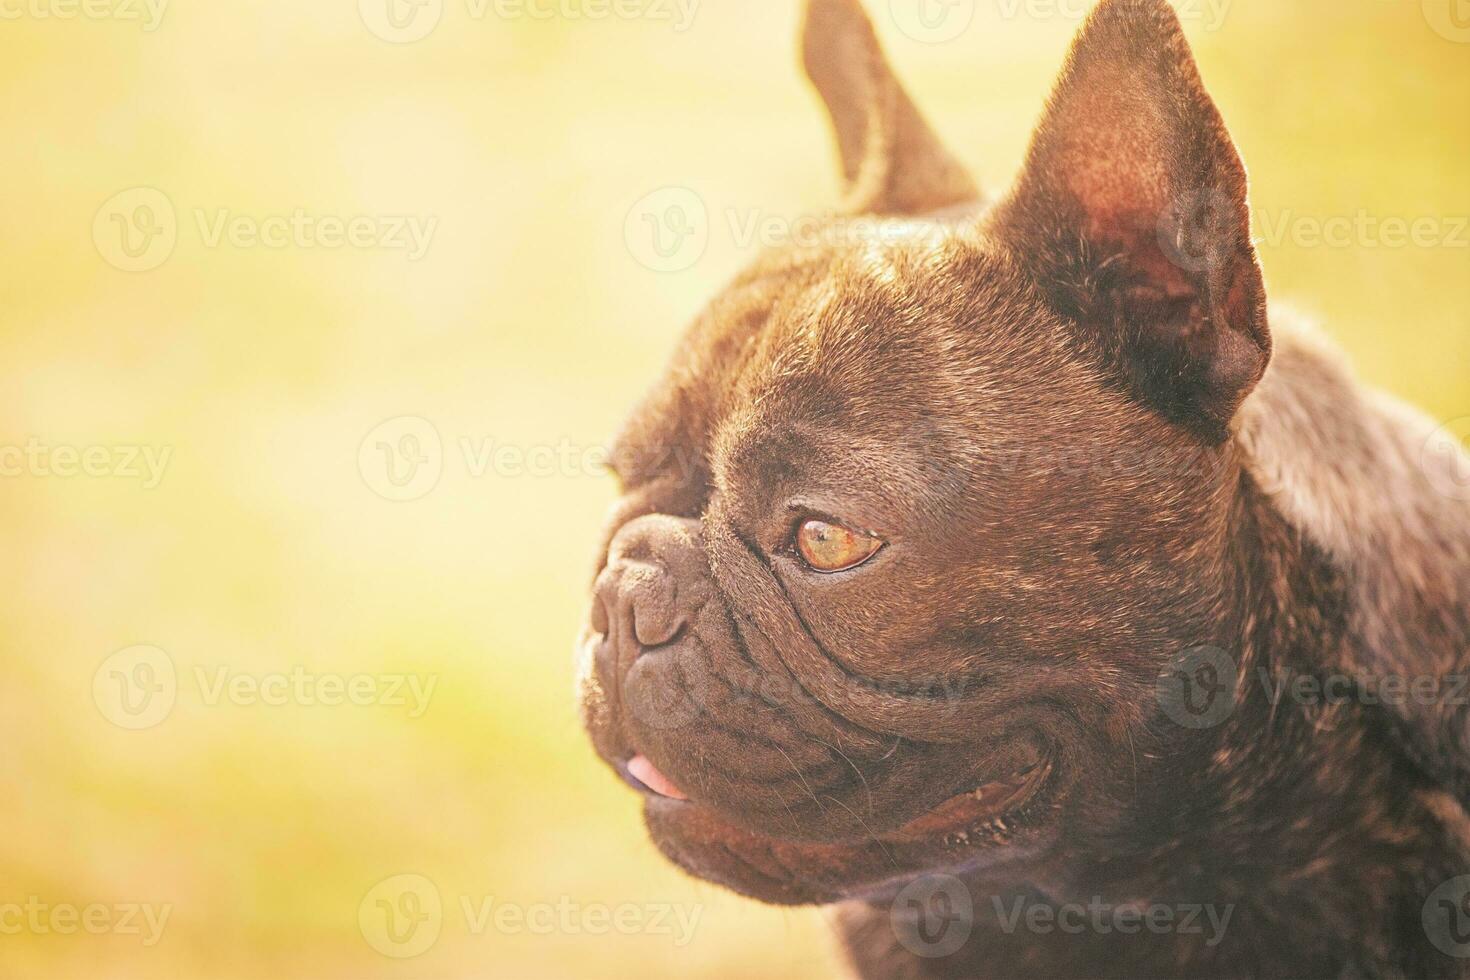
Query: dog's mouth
x,y
988,810
992,829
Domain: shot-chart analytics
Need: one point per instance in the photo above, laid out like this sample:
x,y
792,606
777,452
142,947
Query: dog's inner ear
x,y
893,163
1131,215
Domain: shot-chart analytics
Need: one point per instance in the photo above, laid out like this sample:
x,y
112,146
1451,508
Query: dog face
x,y
916,517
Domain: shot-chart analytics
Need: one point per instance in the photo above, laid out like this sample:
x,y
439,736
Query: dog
x,y
1009,574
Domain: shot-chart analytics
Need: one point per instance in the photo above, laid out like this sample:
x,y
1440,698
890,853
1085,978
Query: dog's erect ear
x,y
1131,214
892,161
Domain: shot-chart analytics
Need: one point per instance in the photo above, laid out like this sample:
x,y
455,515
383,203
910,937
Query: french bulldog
x,y
1006,572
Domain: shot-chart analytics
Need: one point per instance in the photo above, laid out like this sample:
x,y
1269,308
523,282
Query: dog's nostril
x,y
655,610
655,628
637,602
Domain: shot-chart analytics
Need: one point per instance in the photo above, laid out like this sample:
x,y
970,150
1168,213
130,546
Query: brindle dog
x,y
981,568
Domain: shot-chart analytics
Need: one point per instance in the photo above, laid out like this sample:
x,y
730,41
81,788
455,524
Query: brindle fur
x,y
1064,414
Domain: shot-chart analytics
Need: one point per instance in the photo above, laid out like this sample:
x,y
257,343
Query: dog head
x,y
917,514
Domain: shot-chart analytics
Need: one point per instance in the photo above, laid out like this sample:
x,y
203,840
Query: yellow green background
x,y
530,322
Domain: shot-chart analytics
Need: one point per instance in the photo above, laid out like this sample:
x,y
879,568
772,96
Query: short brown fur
x,y
1063,416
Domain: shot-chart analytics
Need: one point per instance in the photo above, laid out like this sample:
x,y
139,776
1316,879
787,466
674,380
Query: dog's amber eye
x,y
830,547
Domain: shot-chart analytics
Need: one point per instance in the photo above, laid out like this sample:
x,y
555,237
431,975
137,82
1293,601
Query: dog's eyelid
x,y
798,512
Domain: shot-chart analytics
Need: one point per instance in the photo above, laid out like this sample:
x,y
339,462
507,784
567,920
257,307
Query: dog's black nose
x,y
652,583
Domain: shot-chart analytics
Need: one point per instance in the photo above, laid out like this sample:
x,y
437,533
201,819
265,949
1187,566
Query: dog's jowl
x,y
1012,574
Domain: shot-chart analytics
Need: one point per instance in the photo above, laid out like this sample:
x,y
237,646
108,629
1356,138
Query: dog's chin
x,y
983,832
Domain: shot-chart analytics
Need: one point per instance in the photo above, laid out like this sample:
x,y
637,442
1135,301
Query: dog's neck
x,y
1361,477
1282,811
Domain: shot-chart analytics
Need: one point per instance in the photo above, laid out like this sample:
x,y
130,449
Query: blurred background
x,y
316,318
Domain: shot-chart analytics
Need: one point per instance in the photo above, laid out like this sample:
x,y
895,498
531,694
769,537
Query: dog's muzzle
x,y
673,701
642,653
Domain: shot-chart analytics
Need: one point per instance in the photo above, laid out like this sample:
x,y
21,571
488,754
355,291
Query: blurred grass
x,y
528,323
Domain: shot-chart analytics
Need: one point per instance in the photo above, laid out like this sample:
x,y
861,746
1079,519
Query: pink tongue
x,y
644,771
